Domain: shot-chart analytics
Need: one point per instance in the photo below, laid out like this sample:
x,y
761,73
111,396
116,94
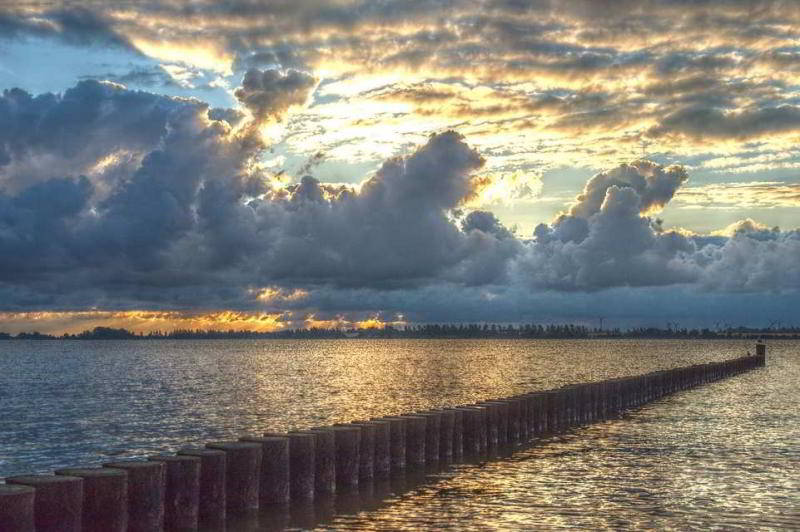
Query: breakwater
x,y
255,473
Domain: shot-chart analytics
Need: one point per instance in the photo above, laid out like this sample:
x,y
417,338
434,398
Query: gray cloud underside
x,y
178,215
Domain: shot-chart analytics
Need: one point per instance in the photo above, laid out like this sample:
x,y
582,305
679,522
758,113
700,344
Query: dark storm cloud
x,y
195,211
190,220
47,135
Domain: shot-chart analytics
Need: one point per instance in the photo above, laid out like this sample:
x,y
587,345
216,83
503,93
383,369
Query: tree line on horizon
x,y
460,330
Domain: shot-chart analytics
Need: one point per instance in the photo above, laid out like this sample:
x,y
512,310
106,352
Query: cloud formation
x,y
270,93
187,218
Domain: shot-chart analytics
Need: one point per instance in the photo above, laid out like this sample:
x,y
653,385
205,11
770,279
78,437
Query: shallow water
x,y
721,456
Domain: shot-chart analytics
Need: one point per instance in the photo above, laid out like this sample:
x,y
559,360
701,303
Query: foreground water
x,y
723,456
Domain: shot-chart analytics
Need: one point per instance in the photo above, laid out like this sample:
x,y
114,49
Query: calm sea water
x,y
722,456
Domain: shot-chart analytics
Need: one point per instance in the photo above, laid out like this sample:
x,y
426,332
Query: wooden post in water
x,y
471,431
514,421
524,419
761,353
446,426
181,491
324,459
347,440
212,495
475,431
493,414
415,441
397,432
16,508
146,484
504,421
458,434
382,447
242,474
302,465
433,428
366,450
105,498
58,503
273,484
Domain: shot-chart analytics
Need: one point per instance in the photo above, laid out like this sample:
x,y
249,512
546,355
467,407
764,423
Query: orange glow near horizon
x,y
146,321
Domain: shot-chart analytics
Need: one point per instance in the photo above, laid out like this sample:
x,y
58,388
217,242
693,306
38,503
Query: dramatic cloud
x,y
653,184
611,241
393,156
189,219
607,240
270,93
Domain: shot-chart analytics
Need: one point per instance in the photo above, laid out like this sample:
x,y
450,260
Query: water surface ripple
x,y
724,456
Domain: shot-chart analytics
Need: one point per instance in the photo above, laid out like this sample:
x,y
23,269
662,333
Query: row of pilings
x,y
202,487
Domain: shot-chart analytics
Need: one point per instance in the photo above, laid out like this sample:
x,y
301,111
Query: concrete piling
x,y
146,484
105,498
57,503
347,440
242,474
181,491
211,495
273,484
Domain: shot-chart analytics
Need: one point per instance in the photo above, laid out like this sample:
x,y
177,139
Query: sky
x,y
352,163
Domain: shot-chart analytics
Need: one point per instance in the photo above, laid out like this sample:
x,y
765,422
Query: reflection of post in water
x,y
243,521
273,517
308,514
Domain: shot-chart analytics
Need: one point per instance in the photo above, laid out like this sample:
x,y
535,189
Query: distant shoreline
x,y
438,332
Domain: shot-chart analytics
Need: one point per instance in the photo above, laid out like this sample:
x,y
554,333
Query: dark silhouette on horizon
x,y
433,331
